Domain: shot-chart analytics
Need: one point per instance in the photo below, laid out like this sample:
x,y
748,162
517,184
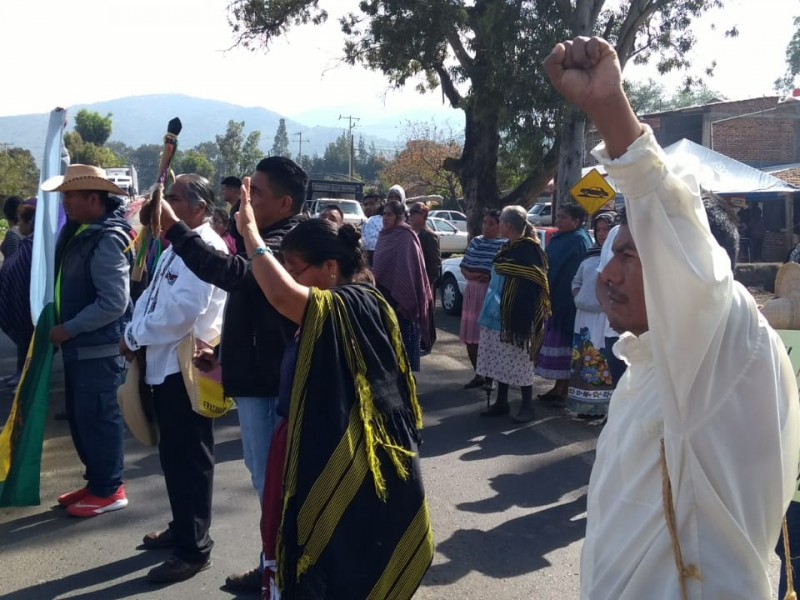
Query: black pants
x,y
186,449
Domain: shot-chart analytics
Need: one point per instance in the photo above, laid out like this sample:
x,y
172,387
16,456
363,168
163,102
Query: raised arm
x,y
587,73
287,296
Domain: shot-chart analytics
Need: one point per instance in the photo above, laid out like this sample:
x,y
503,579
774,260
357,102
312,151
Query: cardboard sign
x,y
593,192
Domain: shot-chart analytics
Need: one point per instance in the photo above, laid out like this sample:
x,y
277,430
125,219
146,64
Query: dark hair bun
x,y
349,236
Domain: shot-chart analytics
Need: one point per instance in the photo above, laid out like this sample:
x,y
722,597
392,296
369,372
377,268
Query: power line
x,y
299,134
350,126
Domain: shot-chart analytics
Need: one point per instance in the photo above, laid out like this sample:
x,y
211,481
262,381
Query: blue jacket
x,y
95,303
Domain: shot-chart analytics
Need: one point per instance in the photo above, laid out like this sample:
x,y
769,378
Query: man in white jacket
x,y
175,304
698,461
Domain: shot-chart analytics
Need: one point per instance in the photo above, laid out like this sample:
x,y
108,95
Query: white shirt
x,y
711,378
371,230
174,304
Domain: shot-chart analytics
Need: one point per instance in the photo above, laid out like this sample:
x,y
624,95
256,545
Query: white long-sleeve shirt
x,y
711,378
174,304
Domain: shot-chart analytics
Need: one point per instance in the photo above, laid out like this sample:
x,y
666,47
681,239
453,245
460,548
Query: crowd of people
x,y
319,327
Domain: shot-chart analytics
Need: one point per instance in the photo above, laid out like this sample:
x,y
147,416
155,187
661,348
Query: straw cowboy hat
x,y
80,178
130,402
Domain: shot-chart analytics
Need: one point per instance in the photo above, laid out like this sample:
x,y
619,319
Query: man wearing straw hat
x,y
93,305
699,458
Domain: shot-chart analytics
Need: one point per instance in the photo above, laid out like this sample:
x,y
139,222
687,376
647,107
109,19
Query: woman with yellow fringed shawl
x,y
344,513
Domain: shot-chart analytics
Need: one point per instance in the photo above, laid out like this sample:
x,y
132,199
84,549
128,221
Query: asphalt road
x,y
507,502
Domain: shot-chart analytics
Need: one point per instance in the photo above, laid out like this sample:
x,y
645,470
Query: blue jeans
x,y
257,421
793,525
95,420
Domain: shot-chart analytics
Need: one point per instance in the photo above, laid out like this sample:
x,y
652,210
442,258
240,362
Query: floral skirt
x,y
590,385
471,309
503,362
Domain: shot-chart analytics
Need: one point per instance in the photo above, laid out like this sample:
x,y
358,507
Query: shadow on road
x,y
93,578
487,552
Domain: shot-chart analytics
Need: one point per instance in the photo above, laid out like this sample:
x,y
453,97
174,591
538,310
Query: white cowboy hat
x,y
130,402
82,178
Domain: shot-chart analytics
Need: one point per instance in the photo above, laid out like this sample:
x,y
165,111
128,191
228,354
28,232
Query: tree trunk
x,y
570,159
477,167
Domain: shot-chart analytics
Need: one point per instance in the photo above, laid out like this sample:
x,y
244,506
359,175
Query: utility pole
x,y
299,135
5,146
350,120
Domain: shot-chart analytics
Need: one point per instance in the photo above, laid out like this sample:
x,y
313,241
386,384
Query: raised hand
x,y
585,71
245,217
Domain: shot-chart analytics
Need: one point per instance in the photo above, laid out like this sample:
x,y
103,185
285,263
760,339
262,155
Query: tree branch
x,y
464,59
533,184
448,87
639,13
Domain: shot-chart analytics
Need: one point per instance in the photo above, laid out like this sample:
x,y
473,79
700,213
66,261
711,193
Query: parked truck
x,y
124,177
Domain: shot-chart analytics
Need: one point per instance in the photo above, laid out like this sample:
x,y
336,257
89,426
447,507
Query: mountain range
x,y
141,120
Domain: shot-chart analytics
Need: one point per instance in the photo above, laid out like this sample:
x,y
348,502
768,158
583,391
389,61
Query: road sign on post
x,y
593,192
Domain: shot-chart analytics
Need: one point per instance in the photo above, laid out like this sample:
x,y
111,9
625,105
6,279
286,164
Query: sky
x,y
59,53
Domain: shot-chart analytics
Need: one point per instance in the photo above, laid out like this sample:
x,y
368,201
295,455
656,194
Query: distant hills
x,y
143,119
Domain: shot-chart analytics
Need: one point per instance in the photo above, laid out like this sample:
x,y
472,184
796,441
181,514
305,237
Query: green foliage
x,y
86,153
19,175
280,145
251,153
193,161
93,127
651,97
146,158
785,84
487,57
236,155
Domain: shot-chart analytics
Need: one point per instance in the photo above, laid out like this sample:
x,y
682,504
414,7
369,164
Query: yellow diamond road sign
x,y
593,192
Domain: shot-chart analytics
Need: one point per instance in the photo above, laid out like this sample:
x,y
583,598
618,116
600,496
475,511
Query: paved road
x,y
507,503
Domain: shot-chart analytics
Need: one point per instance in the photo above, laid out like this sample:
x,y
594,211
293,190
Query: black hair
x,y
287,178
10,207
222,214
199,190
397,208
719,222
317,240
608,216
110,201
332,207
231,182
373,195
573,211
494,213
26,213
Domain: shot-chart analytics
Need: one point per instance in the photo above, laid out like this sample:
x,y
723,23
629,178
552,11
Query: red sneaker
x,y
91,505
73,497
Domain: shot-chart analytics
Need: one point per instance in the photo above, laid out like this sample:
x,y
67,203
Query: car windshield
x,y
348,208
441,226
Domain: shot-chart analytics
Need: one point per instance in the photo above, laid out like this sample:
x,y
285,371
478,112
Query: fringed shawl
x,y
399,269
355,523
525,301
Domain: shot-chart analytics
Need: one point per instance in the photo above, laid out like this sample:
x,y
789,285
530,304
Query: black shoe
x,y
60,415
174,569
159,540
245,582
475,382
496,410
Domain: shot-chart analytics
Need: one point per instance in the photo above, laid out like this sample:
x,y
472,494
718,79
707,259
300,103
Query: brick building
x,y
759,132
769,137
